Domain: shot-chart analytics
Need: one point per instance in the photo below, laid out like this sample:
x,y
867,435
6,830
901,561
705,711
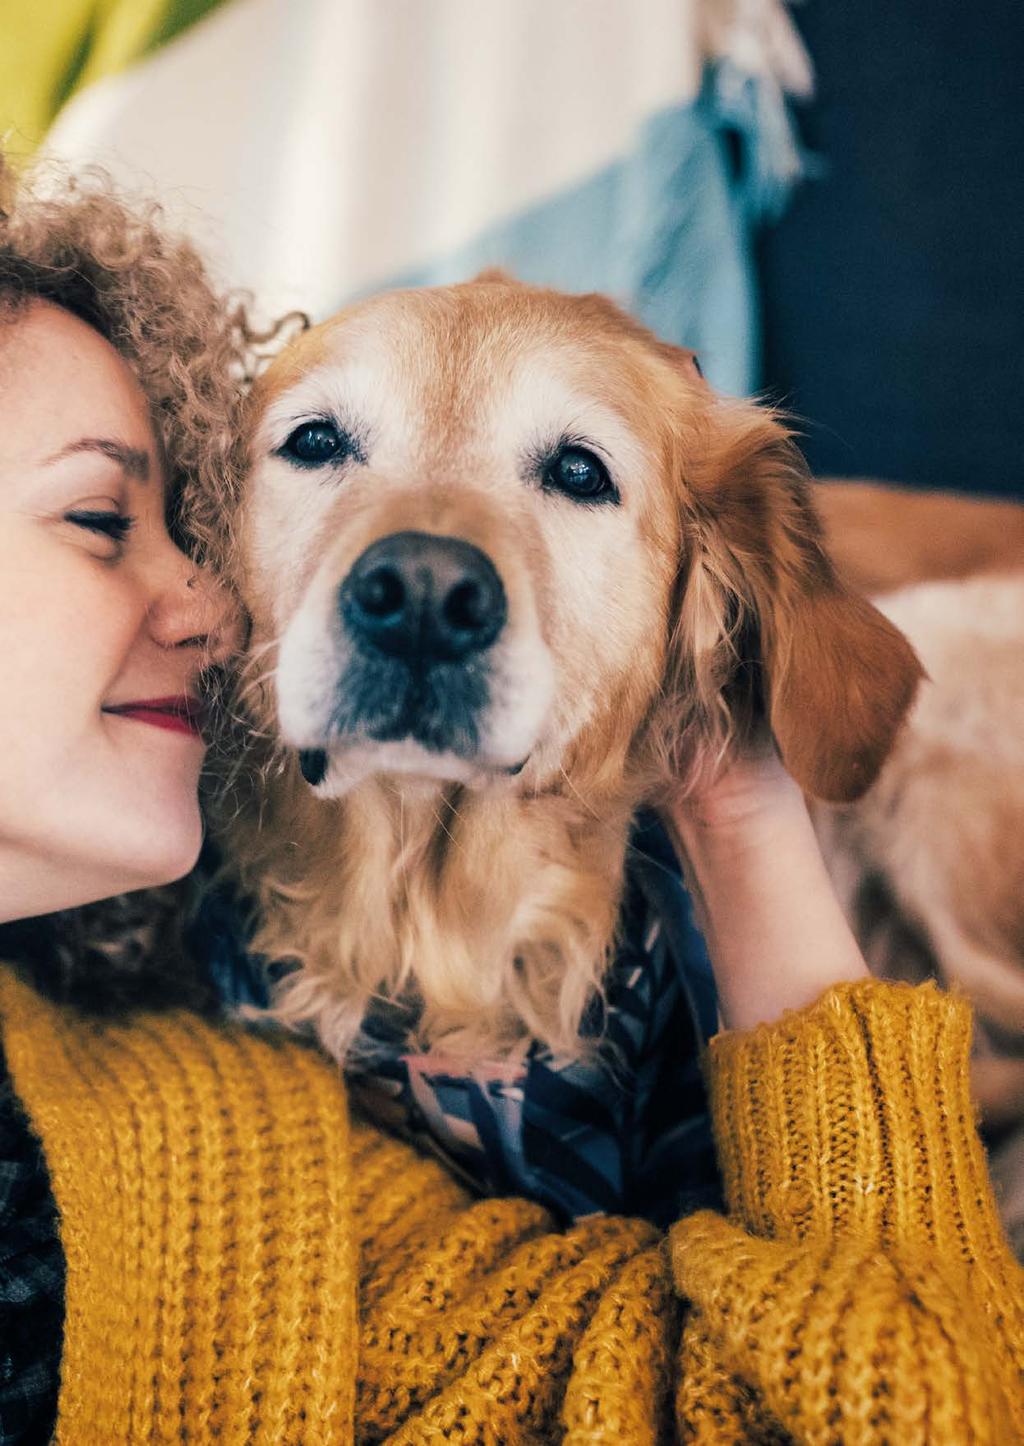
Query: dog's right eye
x,y
314,444
577,473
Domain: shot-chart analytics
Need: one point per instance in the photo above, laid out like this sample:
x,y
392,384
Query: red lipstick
x,y
183,714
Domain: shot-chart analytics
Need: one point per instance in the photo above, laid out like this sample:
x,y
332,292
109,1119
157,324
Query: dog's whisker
x,y
446,830
259,680
253,659
585,803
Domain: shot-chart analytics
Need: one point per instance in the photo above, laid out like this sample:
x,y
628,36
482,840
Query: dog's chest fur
x,y
498,913
621,1127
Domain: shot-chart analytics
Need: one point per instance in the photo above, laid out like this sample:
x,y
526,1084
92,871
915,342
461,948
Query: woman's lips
x,y
177,715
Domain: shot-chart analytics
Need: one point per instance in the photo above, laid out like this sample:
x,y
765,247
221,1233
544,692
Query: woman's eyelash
x,y
112,524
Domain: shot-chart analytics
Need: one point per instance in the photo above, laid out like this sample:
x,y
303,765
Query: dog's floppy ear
x,y
763,630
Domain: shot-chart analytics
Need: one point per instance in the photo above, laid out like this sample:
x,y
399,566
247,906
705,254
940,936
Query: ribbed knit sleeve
x,y
860,1289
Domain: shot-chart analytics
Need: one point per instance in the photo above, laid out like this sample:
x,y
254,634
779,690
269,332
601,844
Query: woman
x,y
185,1213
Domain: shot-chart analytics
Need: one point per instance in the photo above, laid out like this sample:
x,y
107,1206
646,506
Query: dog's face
x,y
495,534
464,518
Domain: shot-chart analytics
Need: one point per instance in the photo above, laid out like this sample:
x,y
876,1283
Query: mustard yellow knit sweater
x,y
221,1220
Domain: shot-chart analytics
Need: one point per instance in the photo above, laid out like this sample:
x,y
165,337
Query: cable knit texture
x,y
861,1290
218,1217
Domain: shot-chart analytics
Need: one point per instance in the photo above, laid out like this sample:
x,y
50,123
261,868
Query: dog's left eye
x,y
579,474
314,444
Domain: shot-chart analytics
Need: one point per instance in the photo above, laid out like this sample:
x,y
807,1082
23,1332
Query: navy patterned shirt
x,y
31,1283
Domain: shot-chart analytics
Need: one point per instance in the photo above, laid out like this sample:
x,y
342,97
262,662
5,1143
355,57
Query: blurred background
x,y
826,201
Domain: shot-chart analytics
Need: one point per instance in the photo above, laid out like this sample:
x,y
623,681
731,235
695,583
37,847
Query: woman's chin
x,y
156,853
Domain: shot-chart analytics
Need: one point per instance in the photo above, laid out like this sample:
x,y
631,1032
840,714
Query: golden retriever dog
x,y
513,569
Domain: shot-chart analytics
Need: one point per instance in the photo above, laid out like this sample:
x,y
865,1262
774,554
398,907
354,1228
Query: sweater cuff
x,y
855,1114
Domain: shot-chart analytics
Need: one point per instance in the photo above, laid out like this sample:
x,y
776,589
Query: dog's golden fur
x,y
882,537
667,628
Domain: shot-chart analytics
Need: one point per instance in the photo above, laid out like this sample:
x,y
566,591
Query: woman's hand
x,y
775,932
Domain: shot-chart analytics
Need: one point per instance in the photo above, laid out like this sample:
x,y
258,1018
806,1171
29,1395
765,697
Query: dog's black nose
x,y
416,596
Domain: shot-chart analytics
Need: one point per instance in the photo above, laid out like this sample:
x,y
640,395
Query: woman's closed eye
x,y
109,522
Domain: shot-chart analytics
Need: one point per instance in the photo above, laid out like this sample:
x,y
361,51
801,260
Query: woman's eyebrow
x,y
133,461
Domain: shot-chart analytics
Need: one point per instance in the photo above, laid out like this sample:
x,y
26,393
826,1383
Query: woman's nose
x,y
196,610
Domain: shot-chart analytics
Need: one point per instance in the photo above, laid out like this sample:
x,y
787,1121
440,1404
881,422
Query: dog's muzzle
x,y
420,614
423,599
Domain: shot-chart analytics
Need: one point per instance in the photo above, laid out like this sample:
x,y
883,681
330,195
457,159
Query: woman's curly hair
x,y
75,242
